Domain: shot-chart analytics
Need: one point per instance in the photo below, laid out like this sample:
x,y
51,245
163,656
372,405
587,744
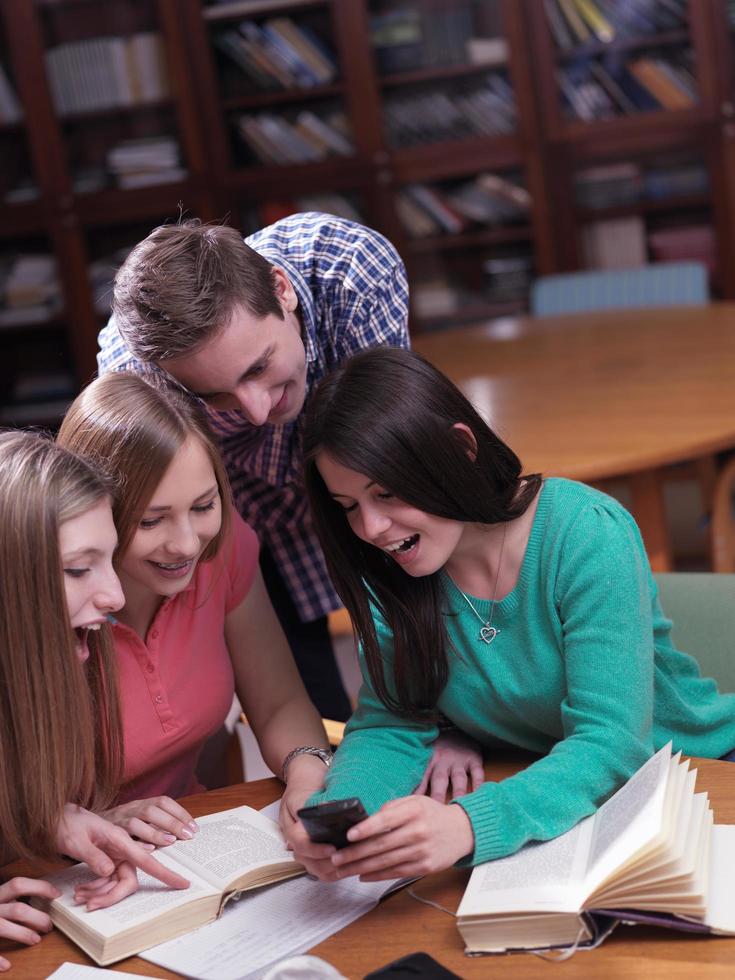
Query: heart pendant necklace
x,y
488,632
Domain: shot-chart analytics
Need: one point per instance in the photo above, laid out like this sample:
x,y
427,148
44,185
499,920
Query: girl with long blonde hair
x,y
61,753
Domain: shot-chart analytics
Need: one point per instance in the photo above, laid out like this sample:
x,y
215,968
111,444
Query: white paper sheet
x,y
266,926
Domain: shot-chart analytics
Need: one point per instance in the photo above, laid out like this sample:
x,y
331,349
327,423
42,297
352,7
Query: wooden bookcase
x,y
481,269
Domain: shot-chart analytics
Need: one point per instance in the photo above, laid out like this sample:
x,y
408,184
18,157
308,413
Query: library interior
x,y
558,179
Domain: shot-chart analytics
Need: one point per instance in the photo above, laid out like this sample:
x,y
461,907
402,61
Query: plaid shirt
x,y
353,294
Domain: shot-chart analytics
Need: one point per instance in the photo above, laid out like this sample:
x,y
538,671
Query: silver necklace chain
x,y
488,632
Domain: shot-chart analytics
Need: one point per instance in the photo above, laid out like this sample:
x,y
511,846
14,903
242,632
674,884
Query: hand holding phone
x,y
328,823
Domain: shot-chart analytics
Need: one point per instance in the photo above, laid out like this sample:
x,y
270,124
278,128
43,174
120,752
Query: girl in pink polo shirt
x,y
197,624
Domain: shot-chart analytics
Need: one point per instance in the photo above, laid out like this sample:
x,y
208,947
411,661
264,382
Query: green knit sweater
x,y
583,672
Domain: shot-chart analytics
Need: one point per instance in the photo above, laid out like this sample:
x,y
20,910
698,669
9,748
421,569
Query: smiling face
x,y
86,545
255,364
182,517
420,543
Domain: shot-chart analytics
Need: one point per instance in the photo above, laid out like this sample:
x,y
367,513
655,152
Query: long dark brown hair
x,y
389,414
60,726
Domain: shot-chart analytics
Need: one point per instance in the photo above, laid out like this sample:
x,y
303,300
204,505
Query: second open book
x,y
651,851
233,851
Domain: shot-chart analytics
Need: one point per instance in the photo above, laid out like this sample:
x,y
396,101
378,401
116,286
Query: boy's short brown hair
x,y
178,287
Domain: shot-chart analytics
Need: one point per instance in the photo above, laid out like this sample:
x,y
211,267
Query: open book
x,y
650,853
234,851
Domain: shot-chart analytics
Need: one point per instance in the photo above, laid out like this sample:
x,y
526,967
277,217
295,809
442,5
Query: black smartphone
x,y
328,823
415,965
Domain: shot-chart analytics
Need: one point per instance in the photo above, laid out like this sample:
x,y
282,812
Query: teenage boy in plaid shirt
x,y
250,327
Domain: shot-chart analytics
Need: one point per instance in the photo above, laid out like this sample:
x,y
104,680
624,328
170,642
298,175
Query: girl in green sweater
x,y
522,610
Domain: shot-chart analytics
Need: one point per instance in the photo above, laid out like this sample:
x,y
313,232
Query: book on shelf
x,y
662,182
437,207
618,243
108,72
609,185
598,24
577,26
305,47
651,852
652,73
233,851
144,161
29,280
249,60
685,243
558,25
309,138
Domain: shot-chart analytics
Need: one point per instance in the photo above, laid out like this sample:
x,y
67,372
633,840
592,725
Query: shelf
x,y
437,74
336,173
109,207
115,112
681,202
35,413
255,8
263,100
471,239
592,49
432,161
28,218
647,124
56,321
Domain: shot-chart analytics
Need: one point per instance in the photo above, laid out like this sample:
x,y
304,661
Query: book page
x,y
77,971
230,843
546,875
150,900
630,819
721,897
263,927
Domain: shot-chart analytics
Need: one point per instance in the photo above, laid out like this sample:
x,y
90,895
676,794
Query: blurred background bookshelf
x,y
492,141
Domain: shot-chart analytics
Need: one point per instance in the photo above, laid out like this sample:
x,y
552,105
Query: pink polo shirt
x,y
176,686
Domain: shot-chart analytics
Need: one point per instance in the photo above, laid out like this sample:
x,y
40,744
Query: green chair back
x,y
702,606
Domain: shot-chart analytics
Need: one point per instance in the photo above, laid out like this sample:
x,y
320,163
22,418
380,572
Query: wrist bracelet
x,y
324,754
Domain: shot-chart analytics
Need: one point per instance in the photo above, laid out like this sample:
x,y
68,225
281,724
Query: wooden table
x,y
599,395
401,925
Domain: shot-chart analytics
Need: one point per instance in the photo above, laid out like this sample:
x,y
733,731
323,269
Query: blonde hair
x,y
133,427
60,727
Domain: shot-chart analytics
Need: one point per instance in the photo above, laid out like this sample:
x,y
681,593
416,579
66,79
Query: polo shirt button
x,y
154,634
158,699
150,668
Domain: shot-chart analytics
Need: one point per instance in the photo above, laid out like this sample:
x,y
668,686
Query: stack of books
x,y
108,72
141,162
484,108
616,184
301,137
30,291
487,199
278,54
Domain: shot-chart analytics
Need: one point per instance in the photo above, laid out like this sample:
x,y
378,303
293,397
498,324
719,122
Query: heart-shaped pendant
x,y
488,633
